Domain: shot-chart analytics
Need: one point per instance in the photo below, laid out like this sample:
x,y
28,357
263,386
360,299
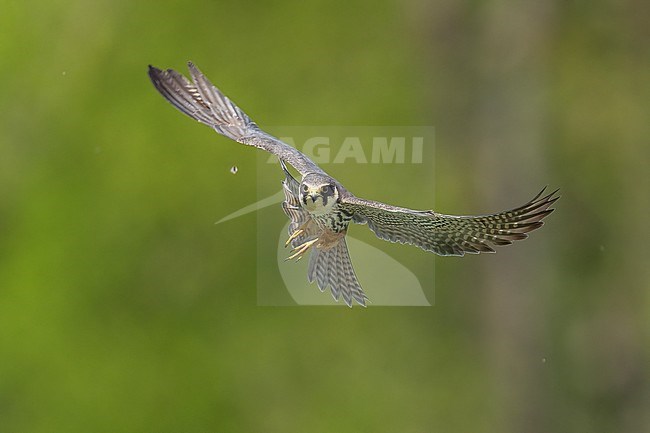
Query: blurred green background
x,y
123,308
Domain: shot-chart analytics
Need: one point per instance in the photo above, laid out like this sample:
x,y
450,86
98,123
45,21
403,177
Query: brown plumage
x,y
321,209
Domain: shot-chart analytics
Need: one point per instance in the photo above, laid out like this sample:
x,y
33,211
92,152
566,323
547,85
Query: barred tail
x,y
332,267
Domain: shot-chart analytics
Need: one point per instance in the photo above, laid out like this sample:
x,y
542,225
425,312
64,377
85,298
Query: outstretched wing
x,y
200,100
449,235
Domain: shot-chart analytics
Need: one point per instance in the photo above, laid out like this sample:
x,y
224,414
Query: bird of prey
x,y
321,209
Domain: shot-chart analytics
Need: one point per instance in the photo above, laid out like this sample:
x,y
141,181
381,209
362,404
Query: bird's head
x,y
318,193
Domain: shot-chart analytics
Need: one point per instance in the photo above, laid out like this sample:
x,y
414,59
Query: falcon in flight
x,y
321,209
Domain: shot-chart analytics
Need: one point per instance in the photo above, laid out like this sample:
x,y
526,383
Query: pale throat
x,y
317,207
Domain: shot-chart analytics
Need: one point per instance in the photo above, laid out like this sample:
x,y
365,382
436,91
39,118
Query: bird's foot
x,y
293,236
301,249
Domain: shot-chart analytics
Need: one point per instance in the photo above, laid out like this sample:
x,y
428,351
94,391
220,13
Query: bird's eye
x,y
304,188
325,189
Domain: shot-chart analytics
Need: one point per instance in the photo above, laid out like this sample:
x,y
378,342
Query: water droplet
x,y
234,169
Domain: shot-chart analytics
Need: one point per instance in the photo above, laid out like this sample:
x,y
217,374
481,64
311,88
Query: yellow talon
x,y
301,249
293,236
